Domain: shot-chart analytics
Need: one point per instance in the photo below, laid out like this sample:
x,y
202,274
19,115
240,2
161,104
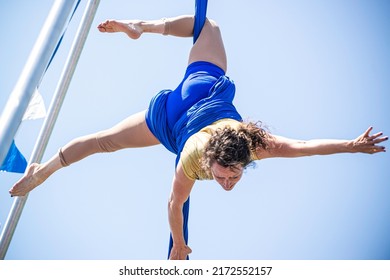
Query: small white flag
x,y
36,109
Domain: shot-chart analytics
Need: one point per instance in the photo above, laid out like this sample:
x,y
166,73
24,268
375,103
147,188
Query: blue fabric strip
x,y
200,17
217,106
203,113
62,36
14,161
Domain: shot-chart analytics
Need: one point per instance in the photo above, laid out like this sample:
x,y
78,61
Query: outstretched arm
x,y
181,188
285,147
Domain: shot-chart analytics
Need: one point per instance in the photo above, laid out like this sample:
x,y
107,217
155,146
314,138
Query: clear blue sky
x,y
307,69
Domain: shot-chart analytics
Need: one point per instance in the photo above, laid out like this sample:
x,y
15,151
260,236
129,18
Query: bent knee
x,y
213,23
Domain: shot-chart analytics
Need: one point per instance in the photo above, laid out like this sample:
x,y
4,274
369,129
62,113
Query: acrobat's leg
x,y
131,132
209,46
181,26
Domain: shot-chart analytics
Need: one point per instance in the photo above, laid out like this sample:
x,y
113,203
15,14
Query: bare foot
x,y
28,182
133,29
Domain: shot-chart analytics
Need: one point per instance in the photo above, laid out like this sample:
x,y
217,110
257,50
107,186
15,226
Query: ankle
x,y
37,170
153,26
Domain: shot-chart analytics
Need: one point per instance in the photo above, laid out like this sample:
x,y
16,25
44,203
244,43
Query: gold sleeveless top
x,y
193,149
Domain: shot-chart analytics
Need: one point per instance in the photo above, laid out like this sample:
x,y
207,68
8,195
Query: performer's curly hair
x,y
229,147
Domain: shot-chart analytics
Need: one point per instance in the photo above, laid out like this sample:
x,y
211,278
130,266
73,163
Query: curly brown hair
x,y
229,147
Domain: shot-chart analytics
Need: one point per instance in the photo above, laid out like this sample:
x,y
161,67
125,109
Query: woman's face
x,y
227,177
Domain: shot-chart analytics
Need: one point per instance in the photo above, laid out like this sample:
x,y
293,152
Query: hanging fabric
x,y
200,19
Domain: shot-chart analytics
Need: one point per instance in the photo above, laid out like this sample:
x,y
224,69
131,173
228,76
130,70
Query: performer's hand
x,y
367,143
180,252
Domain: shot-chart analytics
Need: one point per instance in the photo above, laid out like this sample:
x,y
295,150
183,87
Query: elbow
x,y
174,205
170,204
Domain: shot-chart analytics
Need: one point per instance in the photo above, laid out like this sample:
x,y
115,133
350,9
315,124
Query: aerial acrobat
x,y
197,121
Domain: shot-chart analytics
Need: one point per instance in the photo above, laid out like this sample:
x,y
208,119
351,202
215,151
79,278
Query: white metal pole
x,y
51,118
32,73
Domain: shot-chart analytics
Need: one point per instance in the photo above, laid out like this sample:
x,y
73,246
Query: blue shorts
x,y
204,96
199,78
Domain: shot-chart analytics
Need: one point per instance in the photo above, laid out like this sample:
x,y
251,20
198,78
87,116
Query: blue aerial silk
x,y
218,105
200,17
